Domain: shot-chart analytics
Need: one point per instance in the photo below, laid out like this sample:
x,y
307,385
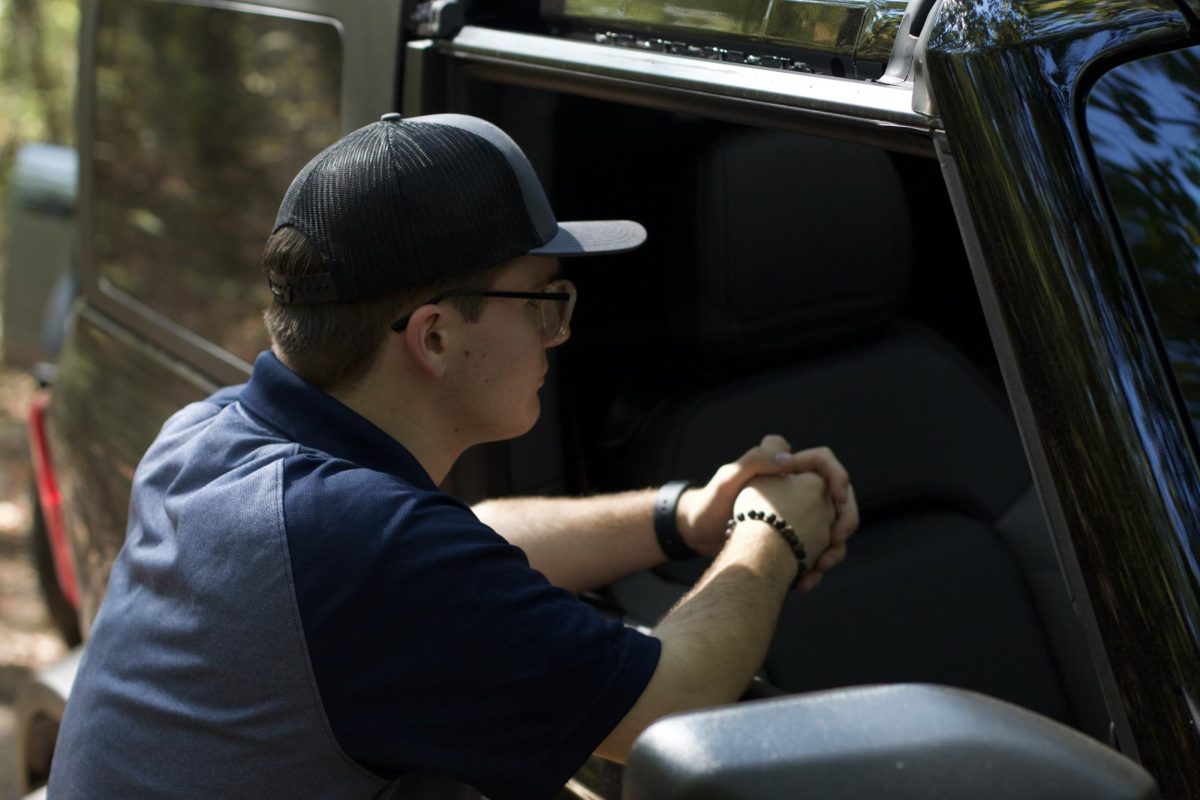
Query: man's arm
x,y
579,543
716,637
586,542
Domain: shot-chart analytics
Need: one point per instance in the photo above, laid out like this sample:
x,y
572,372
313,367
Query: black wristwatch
x,y
665,529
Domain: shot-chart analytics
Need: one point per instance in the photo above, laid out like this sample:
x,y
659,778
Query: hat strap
x,y
316,288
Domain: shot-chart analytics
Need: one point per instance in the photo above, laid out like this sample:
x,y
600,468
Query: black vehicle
x,y
955,240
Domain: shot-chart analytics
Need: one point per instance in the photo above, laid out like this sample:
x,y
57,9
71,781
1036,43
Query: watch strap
x,y
666,503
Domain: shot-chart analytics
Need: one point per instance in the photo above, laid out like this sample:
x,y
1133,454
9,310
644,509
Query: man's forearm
x,y
580,543
583,543
716,637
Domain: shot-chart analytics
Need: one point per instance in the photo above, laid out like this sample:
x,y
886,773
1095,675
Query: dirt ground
x,y
27,641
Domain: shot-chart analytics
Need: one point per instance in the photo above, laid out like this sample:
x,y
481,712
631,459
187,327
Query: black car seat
x,y
787,321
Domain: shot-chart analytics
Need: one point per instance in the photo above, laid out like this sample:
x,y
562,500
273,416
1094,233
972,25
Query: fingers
x,y
835,555
774,443
822,461
809,582
771,457
845,523
828,560
847,519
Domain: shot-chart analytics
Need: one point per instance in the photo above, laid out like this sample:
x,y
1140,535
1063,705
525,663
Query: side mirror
x,y
39,284
903,742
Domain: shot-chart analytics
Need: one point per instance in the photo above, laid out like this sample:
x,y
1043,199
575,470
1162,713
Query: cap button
x,y
391,117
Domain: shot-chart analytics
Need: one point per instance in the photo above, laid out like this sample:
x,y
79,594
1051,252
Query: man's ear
x,y
425,340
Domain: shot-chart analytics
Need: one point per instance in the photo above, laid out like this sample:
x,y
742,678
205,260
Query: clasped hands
x,y
809,488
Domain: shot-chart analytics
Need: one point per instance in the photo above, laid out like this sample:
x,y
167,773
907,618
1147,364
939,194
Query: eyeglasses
x,y
556,304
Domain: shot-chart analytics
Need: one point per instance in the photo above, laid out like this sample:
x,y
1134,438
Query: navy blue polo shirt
x,y
434,645
295,590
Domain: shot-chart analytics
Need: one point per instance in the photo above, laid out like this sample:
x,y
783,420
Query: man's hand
x,y
802,500
717,635
704,511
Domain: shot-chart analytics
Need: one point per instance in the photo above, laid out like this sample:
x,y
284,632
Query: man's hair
x,y
334,344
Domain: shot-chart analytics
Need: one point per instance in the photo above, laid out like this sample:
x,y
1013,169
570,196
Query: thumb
x,y
771,457
774,443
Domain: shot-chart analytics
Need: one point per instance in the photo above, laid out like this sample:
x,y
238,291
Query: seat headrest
x,y
802,244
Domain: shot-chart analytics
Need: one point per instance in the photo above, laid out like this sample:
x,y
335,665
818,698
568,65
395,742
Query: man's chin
x,y
535,413
516,430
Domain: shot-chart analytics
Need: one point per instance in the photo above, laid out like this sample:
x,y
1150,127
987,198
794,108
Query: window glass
x,y
1144,121
202,117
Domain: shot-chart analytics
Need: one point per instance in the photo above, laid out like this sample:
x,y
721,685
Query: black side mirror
x,y
902,742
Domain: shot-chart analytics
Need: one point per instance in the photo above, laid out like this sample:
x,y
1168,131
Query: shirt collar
x,y
310,416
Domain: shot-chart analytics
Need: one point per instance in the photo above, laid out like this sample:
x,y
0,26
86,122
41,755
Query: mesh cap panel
x,y
402,203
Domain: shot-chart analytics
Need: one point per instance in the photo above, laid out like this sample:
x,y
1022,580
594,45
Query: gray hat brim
x,y
593,238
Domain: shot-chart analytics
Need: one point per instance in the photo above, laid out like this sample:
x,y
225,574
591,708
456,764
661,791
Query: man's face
x,y
503,361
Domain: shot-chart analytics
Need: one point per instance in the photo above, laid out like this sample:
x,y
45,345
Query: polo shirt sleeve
x,y
437,649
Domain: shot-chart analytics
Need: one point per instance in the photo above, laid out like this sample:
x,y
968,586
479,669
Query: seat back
x,y
802,253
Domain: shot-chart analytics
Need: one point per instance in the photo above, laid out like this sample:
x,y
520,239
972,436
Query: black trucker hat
x,y
402,203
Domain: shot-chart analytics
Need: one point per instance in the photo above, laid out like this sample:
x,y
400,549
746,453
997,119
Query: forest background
x,y
37,94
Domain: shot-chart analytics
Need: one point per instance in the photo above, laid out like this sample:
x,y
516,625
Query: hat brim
x,y
594,237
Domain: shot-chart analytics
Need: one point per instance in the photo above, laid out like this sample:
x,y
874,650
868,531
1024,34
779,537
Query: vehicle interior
x,y
815,288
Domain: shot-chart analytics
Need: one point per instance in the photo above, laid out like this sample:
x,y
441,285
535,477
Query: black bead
x,y
771,518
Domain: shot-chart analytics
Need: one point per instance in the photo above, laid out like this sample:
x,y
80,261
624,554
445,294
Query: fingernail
x,y
783,459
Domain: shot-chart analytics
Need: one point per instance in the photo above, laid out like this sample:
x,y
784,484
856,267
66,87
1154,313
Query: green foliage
x,y
37,79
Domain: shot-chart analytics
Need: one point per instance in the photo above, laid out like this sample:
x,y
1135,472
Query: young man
x,y
299,612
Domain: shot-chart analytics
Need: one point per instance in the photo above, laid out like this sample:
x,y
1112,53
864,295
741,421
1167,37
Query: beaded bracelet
x,y
785,530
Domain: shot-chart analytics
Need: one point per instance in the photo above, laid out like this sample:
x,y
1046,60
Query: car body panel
x,y
1110,449
102,360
